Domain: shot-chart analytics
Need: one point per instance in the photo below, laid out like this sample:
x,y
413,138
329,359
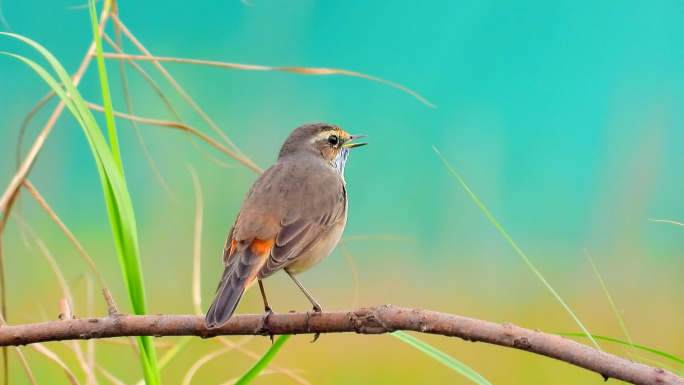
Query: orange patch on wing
x,y
261,248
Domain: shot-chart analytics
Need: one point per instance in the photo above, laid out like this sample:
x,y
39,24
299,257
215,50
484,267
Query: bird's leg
x,y
316,307
267,307
267,312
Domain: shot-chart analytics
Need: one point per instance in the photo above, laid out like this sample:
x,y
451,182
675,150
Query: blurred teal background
x,y
565,120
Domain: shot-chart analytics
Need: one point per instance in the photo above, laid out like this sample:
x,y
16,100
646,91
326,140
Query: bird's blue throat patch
x,y
340,160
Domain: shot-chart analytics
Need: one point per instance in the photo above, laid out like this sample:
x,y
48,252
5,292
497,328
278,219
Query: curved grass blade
x,y
104,84
173,352
54,357
132,268
263,361
610,300
667,221
252,67
200,362
119,205
263,373
654,351
655,363
442,357
516,248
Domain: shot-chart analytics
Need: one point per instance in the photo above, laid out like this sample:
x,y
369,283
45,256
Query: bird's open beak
x,y
354,137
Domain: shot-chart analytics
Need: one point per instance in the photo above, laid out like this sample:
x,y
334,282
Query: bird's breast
x,y
321,250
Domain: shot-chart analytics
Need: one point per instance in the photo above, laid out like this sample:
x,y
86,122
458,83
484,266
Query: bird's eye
x,y
333,139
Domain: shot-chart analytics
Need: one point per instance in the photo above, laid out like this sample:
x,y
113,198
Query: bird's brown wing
x,y
248,245
319,205
297,238
294,205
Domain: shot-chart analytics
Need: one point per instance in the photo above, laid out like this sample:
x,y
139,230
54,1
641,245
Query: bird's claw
x,y
263,324
317,310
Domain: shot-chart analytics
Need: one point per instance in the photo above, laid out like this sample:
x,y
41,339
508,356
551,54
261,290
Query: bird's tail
x,y
228,296
236,277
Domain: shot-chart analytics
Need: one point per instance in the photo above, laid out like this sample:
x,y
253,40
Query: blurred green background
x,y
565,119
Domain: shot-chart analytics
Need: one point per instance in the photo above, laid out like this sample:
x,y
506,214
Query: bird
x,y
291,219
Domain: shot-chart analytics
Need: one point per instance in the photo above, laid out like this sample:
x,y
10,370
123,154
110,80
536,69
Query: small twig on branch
x,y
112,310
378,320
65,310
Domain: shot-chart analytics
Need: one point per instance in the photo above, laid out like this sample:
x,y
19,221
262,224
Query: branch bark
x,y
378,320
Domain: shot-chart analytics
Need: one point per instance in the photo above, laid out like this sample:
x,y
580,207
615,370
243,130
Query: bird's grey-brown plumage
x,y
299,204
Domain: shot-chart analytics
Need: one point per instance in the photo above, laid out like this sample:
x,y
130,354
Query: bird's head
x,y
322,140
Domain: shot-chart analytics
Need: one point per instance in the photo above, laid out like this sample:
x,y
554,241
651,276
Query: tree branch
x,y
378,320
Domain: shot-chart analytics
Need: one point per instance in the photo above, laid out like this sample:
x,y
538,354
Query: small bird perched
x,y
291,219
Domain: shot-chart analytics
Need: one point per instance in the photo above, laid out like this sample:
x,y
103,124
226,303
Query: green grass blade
x,y
174,351
654,351
148,352
442,357
104,83
517,249
610,299
50,81
657,364
420,345
117,198
263,361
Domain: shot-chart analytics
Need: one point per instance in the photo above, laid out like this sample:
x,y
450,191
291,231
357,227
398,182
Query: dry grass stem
x,y
165,100
90,344
109,376
136,130
147,77
238,346
3,287
3,277
261,373
27,120
377,238
175,85
25,365
51,355
251,67
210,158
203,360
130,341
67,293
67,306
55,269
75,347
666,221
22,359
355,276
183,127
25,167
197,249
32,190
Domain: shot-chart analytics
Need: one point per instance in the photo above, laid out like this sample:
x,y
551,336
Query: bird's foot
x,y
263,324
316,311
